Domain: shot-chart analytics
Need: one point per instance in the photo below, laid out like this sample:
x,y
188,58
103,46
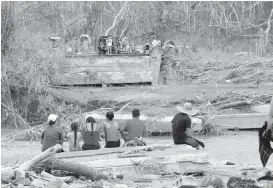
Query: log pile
x,y
24,174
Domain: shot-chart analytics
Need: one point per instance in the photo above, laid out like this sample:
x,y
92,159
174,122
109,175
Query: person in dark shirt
x,y
266,136
90,134
180,123
52,134
111,131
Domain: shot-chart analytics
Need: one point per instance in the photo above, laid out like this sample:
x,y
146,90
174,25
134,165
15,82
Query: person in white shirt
x,y
109,45
154,43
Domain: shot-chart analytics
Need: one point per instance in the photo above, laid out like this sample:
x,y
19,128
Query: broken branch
x,y
235,104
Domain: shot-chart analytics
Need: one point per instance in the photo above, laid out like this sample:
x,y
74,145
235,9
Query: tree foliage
x,y
27,56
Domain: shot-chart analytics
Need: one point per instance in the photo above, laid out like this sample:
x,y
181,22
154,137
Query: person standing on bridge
x,y
181,124
136,130
109,43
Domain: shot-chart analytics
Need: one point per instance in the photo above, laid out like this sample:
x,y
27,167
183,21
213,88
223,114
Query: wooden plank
x,y
261,108
104,60
156,168
241,121
166,156
88,153
102,78
106,153
118,67
113,161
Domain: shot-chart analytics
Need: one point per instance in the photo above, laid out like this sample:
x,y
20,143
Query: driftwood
x,y
235,104
131,155
258,174
41,157
66,179
76,168
146,148
9,173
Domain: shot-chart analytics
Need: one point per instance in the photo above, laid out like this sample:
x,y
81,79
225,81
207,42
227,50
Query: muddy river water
x,y
240,147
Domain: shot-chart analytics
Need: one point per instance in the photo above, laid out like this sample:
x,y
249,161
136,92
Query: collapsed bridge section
x,y
108,69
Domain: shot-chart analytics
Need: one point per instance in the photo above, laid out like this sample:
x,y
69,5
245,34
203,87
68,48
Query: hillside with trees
x,y
27,54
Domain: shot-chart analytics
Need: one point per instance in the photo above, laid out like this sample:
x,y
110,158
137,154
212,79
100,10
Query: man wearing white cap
x,y
52,134
181,123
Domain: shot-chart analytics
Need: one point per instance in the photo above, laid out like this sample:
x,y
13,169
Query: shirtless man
x,y
136,130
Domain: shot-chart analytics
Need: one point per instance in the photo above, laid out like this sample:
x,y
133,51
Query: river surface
x,y
240,147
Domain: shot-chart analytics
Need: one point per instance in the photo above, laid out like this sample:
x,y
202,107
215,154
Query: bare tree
x,y
119,16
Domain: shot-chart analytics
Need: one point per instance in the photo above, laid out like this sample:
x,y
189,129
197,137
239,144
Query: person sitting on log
x,y
52,134
111,131
266,136
181,124
74,137
136,130
91,134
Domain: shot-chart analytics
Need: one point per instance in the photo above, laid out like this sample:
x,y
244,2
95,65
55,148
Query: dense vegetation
x,y
26,52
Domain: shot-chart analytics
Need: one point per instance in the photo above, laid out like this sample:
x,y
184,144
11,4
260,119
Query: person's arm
x,y
122,131
145,132
105,133
61,137
172,124
80,138
42,137
270,115
188,125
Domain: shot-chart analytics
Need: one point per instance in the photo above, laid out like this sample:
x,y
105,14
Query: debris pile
x,y
71,174
189,68
252,72
25,174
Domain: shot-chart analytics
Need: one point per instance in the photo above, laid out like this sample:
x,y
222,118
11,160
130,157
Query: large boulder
x,y
242,182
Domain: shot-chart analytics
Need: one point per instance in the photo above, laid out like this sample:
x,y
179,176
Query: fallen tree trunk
x,y
76,168
66,179
39,158
235,104
8,173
